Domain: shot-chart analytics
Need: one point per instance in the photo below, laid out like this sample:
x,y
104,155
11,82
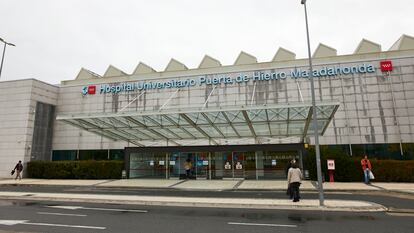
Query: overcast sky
x,y
55,38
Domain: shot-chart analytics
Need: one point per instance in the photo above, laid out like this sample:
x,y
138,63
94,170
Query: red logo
x,y
91,90
386,66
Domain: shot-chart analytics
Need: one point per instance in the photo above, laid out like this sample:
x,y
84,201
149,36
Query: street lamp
x,y
315,122
4,51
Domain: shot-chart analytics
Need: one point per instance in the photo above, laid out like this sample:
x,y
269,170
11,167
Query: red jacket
x,y
365,163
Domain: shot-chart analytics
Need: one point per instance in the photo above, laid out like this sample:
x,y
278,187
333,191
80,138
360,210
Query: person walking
x,y
288,166
188,166
18,169
366,168
294,181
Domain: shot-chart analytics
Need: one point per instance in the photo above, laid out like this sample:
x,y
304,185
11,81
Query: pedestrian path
x,y
208,185
218,185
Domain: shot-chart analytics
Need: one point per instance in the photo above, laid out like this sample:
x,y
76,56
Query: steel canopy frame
x,y
213,124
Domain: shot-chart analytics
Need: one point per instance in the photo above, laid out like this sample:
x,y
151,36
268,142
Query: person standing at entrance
x,y
188,166
18,168
366,168
294,180
288,166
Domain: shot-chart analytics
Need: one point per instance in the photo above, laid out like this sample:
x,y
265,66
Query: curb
x,y
213,190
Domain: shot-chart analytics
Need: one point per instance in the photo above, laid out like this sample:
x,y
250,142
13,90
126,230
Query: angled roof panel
x,y
245,58
85,74
366,46
209,62
175,65
112,71
142,68
405,42
324,51
284,55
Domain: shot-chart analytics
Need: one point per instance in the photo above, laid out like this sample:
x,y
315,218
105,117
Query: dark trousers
x,y
294,187
187,172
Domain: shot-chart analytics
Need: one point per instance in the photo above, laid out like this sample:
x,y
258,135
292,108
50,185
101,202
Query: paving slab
x,y
254,203
340,186
404,187
23,181
263,184
52,182
141,183
68,182
307,185
208,184
271,185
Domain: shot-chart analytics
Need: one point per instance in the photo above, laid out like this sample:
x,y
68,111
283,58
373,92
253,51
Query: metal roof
x,y
216,126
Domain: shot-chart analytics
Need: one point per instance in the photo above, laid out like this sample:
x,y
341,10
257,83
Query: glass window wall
x,y
212,165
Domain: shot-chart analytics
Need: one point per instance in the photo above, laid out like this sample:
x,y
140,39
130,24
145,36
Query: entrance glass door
x,y
199,162
275,163
174,165
230,165
250,165
238,165
147,165
201,165
226,164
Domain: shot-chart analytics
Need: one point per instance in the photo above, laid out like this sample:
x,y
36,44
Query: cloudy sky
x,y
55,38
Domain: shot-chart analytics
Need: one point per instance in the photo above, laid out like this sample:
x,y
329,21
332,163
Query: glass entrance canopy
x,y
212,126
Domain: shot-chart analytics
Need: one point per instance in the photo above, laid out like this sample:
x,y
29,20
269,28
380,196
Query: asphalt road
x,y
42,217
39,216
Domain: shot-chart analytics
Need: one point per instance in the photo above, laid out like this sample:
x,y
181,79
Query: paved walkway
x,y
212,185
216,184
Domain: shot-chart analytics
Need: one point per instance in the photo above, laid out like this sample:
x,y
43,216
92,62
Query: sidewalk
x,y
216,185
207,185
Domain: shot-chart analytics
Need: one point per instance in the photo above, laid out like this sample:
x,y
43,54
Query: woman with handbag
x,y
294,180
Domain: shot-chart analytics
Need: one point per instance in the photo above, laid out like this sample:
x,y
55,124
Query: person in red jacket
x,y
366,167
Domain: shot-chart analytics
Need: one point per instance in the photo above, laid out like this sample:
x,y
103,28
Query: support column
x,y
300,158
209,165
259,164
167,166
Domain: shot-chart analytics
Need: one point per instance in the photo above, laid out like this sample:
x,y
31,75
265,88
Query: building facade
x,y
246,120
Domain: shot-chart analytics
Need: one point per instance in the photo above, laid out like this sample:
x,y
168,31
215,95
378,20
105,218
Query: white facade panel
x,y
366,98
18,104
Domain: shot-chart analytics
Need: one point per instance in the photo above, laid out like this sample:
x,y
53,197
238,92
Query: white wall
x,y
17,109
366,115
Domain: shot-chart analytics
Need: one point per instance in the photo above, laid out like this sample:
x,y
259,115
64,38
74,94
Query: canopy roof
x,y
214,126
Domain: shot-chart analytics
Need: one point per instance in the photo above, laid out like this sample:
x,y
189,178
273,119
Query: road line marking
x,y
26,222
90,208
63,225
260,224
62,214
118,210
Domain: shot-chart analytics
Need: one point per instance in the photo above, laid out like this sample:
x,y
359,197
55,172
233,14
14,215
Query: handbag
x,y
12,172
289,191
371,175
